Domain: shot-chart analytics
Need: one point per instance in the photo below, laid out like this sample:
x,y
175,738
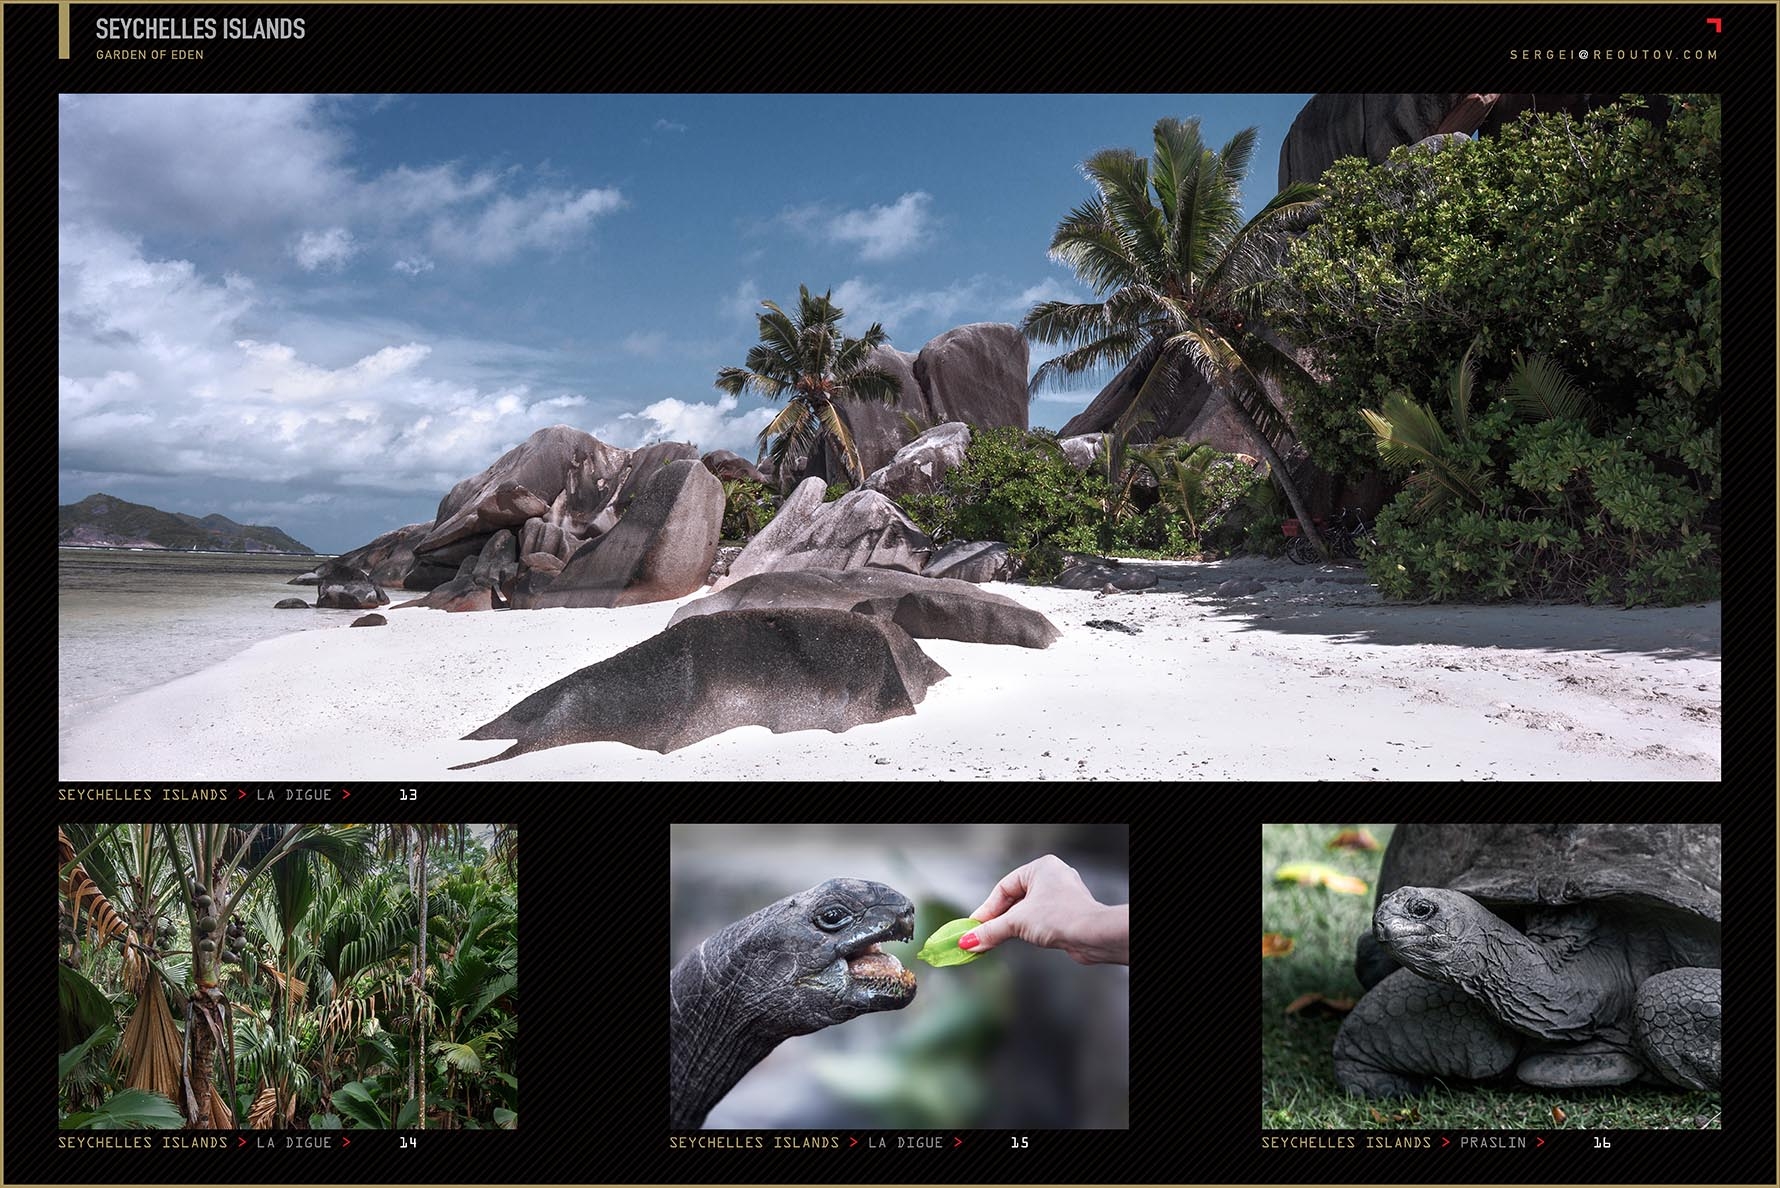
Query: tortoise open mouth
x,y
868,963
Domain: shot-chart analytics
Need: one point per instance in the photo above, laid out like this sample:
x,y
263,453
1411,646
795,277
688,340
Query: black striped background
x,y
596,853
596,866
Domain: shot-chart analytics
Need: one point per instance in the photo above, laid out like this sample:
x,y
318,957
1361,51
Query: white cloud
x,y
879,232
258,167
884,232
1048,289
974,299
165,374
329,249
413,265
647,343
743,305
544,219
666,125
711,426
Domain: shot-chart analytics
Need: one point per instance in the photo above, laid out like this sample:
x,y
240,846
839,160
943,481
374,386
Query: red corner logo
x,y
1717,24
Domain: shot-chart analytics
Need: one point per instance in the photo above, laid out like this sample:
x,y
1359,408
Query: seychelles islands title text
x,y
177,29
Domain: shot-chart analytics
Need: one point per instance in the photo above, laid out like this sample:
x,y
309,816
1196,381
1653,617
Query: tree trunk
x,y
1277,467
420,972
204,1026
206,1020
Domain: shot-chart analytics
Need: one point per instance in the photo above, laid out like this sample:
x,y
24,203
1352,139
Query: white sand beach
x,y
1312,678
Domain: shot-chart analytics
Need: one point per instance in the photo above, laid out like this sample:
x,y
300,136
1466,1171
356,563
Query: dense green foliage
x,y
1016,487
748,507
1533,498
1592,241
1019,488
106,519
366,976
1591,246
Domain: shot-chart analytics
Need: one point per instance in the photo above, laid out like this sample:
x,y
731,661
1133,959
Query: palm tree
x,y
1178,272
211,863
209,870
1181,469
806,362
414,840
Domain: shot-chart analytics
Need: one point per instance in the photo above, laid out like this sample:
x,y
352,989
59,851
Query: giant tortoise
x,y
1573,955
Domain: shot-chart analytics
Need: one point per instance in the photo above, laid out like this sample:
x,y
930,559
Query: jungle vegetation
x,y
288,976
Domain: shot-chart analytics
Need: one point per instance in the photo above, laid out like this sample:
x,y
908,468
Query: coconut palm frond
x,y
1122,348
835,426
1464,377
1409,436
784,423
1065,321
874,385
1540,390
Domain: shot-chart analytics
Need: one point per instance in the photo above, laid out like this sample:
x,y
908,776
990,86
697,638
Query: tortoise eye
x,y
831,918
1421,909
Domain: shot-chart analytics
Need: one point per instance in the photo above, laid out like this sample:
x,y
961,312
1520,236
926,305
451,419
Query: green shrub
x,y
1592,241
748,507
1019,488
835,490
1016,487
1552,507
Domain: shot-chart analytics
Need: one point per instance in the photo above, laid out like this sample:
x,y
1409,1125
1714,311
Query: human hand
x,y
1045,903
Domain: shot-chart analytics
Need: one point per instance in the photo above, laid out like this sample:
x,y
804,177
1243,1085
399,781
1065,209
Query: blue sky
x,y
320,312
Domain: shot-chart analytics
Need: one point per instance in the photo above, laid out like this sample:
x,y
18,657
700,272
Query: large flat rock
x,y
926,608
790,669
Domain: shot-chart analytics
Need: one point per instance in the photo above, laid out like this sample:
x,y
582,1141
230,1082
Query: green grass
x,y
1298,1089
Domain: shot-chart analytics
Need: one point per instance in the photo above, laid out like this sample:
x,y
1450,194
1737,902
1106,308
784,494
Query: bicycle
x,y
1343,540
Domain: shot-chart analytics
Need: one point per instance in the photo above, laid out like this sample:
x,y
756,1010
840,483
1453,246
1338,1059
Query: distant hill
x,y
106,520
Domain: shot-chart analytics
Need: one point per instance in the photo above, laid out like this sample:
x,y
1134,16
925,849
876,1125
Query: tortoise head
x,y
1431,930
814,957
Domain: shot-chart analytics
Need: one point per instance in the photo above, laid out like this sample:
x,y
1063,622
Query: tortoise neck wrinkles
x,y
727,1011
1546,990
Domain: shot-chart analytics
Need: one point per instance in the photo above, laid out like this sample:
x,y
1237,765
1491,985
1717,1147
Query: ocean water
x,y
127,621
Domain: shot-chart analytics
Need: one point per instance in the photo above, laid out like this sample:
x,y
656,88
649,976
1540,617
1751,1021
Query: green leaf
x,y
942,947
129,1108
83,1008
354,1099
65,1064
506,1119
324,1122
410,1114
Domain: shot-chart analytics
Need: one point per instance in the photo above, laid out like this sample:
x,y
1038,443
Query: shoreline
x,y
1314,677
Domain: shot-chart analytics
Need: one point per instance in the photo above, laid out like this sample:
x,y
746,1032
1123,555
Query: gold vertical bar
x,y
62,28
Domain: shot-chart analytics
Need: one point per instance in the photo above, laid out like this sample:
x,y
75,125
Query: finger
x,y
987,935
1007,893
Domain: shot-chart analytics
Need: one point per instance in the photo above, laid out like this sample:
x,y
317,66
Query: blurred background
x,y
1023,1037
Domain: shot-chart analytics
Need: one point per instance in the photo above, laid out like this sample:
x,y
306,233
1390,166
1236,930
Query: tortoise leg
x,y
1372,964
1605,1060
1408,1028
1676,1021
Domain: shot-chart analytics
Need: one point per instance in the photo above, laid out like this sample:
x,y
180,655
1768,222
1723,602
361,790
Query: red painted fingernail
x,y
968,941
